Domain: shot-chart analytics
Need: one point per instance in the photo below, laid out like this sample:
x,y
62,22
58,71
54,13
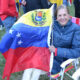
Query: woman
x,y
66,38
29,5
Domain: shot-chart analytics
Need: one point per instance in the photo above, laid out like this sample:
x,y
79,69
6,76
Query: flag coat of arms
x,y
25,45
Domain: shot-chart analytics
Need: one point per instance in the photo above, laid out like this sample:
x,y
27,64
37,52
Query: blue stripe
x,y
30,36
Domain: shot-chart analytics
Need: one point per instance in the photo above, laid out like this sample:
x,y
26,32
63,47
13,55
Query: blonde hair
x,y
61,7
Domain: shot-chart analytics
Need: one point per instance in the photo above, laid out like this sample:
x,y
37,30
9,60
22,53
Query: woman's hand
x,y
52,49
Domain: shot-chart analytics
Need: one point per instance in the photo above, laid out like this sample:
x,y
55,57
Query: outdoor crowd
x,y
9,11
66,41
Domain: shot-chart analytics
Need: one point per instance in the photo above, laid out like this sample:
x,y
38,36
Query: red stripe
x,y
69,68
23,58
55,51
57,75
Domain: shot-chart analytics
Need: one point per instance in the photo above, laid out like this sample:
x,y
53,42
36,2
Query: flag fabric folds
x,y
25,45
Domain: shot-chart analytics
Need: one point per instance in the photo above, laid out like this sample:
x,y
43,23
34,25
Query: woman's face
x,y
62,16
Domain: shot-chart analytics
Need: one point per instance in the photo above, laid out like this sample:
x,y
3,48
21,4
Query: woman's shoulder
x,y
76,26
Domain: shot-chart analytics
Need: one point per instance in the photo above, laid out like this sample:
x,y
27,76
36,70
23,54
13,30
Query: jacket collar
x,y
59,25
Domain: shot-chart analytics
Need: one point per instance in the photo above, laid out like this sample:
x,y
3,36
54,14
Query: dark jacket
x,y
77,8
67,41
36,4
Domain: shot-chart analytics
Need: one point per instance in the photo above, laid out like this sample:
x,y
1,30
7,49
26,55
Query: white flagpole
x,y
50,35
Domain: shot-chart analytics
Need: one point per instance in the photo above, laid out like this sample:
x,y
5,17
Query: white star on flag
x,y
20,42
10,31
18,35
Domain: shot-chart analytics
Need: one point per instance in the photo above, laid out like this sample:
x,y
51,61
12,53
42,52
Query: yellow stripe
x,y
27,18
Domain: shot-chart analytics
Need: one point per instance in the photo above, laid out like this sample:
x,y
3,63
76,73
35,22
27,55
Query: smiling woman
x,y
66,41
63,15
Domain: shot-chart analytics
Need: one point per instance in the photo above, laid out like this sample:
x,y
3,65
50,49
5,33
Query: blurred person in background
x,y
77,8
8,13
29,5
17,5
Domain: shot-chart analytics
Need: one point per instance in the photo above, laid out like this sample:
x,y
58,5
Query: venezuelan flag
x,y
25,45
